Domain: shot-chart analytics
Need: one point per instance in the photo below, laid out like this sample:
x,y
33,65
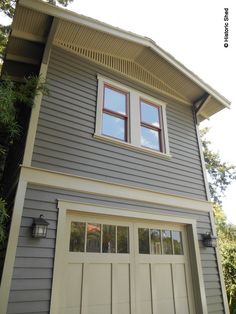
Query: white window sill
x,y
129,146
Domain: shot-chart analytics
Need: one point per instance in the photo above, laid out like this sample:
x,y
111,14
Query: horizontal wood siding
x,y
65,143
33,269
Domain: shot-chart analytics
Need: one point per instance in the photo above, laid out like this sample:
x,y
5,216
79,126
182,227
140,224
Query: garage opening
x,y
125,266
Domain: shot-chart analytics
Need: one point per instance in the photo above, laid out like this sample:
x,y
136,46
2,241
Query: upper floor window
x,y
151,132
114,117
128,117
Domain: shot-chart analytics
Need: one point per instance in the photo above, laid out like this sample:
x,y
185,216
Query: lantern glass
x,y
209,240
40,227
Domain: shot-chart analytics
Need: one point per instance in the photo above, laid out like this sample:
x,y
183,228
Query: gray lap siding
x,y
33,269
65,142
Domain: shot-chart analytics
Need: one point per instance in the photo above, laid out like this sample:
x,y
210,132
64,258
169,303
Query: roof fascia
x,y
106,28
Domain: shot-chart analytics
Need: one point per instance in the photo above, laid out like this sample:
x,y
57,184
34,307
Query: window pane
x,y
77,236
167,242
93,237
122,239
114,100
113,126
155,241
150,138
150,114
177,241
143,239
109,239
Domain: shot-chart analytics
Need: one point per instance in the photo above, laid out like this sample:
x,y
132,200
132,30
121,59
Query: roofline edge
x,y
71,16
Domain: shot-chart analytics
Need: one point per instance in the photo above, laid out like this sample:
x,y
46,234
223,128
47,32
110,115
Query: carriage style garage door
x,y
122,266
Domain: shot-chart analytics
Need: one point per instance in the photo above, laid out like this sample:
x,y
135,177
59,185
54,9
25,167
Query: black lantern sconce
x,y
40,227
209,240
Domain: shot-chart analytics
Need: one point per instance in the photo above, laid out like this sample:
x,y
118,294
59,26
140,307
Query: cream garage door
x,y
118,266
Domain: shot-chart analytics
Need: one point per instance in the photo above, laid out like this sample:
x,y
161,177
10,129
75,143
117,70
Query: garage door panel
x,y
181,306
123,308
144,302
143,282
179,278
73,283
99,309
162,282
180,288
123,283
164,306
99,284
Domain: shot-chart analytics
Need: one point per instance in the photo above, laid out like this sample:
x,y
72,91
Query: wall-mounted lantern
x,y
40,227
209,240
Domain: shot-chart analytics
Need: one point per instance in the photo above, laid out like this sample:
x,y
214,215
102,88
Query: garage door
x,y
118,266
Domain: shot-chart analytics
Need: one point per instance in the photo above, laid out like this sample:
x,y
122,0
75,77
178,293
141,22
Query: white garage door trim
x,y
66,206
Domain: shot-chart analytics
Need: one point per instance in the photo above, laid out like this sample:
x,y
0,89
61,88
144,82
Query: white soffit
x,y
102,43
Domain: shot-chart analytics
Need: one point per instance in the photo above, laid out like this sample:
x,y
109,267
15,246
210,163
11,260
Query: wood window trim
x,y
133,141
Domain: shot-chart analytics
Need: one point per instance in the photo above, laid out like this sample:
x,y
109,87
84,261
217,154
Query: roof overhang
x,y
128,54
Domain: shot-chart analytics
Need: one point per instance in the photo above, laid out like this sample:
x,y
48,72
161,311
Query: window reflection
x,y
167,242
155,241
93,237
77,237
115,100
150,138
109,239
177,242
122,239
143,238
113,126
150,114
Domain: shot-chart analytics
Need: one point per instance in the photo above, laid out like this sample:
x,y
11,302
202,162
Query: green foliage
x,y
220,173
3,219
4,32
226,234
12,93
8,6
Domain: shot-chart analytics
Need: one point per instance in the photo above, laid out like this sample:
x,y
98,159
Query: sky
x,y
193,32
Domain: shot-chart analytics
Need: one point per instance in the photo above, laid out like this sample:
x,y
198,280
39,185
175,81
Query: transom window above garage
x,y
98,238
157,241
131,118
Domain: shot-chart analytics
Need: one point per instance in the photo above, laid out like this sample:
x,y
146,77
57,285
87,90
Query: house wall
x,y
32,278
65,142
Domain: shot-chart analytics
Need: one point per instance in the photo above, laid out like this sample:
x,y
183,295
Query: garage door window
x,y
98,238
156,241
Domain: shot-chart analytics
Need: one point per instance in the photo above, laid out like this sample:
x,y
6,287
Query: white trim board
x,y
65,207
99,187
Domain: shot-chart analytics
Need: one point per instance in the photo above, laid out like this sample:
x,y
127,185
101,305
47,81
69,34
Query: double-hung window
x,y
151,132
131,118
115,113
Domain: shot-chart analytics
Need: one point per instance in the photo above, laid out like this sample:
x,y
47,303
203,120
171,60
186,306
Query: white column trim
x,y
31,134
12,245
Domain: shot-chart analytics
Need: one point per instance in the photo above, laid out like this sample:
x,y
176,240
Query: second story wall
x,y
65,142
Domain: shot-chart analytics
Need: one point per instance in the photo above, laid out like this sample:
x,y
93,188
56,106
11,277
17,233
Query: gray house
x,y
112,160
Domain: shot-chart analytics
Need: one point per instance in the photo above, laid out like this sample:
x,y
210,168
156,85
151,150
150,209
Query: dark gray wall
x,y
65,143
32,277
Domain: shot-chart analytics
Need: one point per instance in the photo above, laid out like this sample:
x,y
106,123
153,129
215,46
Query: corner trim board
x,y
38,99
12,245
